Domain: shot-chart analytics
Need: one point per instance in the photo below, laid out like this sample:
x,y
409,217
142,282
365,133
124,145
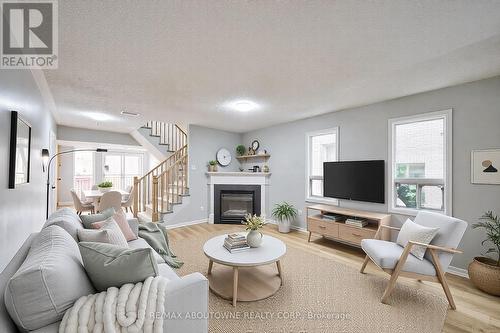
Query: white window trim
x,y
309,198
448,192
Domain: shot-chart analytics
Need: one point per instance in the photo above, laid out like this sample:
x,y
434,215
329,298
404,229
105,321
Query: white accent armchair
x,y
397,260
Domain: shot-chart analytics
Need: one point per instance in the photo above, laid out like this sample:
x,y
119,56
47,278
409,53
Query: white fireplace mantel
x,y
238,178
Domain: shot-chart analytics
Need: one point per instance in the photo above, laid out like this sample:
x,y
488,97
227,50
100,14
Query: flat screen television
x,y
355,180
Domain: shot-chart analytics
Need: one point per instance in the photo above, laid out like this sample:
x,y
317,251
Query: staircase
x,y
166,184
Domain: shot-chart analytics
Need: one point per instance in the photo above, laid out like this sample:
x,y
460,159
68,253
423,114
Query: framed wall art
x,y
485,166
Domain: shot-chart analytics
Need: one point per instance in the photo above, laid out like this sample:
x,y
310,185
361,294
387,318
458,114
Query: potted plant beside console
x,y
284,213
484,272
105,186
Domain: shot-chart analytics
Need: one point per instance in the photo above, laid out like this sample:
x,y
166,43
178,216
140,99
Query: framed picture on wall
x,y
20,147
485,166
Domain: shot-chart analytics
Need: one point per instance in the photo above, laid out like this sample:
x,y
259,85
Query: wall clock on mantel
x,y
223,157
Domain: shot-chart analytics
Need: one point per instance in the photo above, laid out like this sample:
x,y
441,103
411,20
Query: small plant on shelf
x,y
241,150
284,213
212,166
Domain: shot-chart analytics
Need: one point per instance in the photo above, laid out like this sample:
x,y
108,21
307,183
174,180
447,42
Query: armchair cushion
x,y
386,255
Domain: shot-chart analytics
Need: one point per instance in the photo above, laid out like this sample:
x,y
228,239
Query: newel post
x,y
136,196
154,215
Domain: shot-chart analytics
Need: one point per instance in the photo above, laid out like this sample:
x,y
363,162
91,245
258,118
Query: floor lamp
x,y
47,161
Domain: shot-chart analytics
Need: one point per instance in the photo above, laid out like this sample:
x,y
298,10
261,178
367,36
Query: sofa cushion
x,y
67,219
48,282
386,255
109,265
167,272
140,243
87,220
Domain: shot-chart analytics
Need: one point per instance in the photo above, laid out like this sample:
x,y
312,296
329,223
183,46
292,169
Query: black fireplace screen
x,y
233,202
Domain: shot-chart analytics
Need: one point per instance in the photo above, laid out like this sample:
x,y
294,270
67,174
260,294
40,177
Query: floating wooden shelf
x,y
244,157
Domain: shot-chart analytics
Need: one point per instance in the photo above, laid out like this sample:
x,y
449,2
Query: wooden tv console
x,y
352,235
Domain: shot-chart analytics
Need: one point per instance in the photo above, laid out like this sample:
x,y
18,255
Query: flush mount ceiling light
x,y
98,116
242,105
130,114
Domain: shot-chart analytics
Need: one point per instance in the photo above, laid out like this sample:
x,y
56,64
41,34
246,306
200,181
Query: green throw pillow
x,y
109,265
87,220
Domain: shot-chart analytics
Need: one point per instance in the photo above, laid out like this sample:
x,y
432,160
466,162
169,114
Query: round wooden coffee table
x,y
252,277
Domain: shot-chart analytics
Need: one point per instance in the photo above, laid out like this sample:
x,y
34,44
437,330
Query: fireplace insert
x,y
233,202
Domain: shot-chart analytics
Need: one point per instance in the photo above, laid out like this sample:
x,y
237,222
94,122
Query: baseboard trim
x,y
458,271
185,224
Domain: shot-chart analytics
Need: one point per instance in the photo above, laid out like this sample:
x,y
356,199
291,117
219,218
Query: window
x,y
420,163
121,168
83,171
322,146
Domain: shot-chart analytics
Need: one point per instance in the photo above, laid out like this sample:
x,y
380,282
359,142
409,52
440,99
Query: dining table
x,y
95,195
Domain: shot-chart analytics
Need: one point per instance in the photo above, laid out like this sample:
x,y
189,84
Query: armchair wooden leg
x,y
395,273
362,270
442,279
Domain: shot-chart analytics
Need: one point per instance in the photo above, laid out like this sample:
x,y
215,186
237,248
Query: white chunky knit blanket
x,y
132,308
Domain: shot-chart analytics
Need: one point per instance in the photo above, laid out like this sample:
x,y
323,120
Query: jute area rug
x,y
319,295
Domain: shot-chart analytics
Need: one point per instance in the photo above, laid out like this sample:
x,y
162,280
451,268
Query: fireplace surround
x,y
241,180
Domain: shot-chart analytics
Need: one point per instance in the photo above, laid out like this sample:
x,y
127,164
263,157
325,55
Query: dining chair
x,y
111,199
129,201
79,205
398,261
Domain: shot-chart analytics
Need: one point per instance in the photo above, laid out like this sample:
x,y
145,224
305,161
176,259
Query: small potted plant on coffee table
x,y
254,223
484,272
105,186
284,213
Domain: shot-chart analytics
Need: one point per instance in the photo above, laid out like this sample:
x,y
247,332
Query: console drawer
x,y
323,228
355,235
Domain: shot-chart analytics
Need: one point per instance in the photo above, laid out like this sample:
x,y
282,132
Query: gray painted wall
x,y
67,133
22,210
203,145
363,135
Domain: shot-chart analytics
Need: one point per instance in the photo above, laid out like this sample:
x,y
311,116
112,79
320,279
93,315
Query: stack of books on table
x,y
359,223
236,243
333,217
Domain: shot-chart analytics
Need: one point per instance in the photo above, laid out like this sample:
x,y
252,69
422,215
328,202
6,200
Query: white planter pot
x,y
284,226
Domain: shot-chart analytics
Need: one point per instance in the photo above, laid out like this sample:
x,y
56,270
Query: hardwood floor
x,y
476,311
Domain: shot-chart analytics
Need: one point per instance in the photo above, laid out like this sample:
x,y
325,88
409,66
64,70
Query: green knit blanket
x,y
156,236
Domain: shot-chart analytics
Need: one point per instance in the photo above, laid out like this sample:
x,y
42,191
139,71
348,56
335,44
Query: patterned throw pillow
x,y
410,231
114,233
122,222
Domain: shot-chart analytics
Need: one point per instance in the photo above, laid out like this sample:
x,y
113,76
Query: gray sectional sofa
x,y
63,279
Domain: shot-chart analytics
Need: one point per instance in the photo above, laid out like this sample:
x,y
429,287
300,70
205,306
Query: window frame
x,y
308,136
93,168
446,115
122,155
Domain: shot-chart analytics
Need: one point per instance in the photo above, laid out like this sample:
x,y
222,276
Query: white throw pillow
x,y
410,231
113,233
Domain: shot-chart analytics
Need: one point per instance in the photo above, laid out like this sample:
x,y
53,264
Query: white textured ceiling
x,y
179,61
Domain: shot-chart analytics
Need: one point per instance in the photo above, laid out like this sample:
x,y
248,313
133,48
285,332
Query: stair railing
x,y
146,187
169,134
